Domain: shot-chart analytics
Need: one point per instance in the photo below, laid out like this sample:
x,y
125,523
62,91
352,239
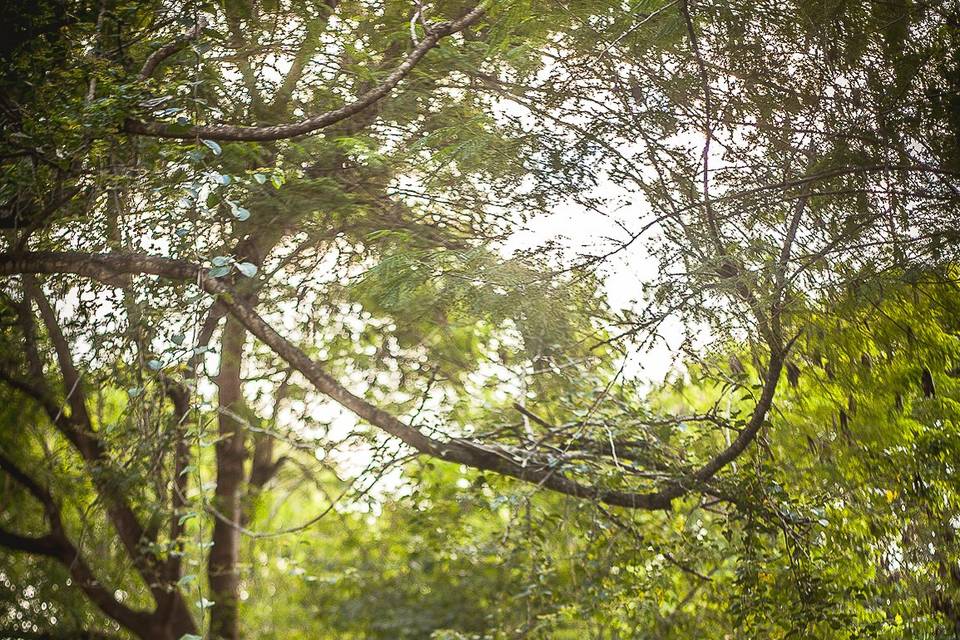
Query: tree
x,y
310,199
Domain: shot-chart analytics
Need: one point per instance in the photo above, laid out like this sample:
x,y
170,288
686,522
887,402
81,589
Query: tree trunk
x,y
230,451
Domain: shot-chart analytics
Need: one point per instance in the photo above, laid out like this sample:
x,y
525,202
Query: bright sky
x,y
585,232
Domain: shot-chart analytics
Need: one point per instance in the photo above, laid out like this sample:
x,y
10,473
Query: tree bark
x,y
117,268
231,453
314,123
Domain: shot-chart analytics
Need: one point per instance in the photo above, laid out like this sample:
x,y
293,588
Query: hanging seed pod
x,y
736,366
793,374
845,426
728,268
816,358
636,91
926,383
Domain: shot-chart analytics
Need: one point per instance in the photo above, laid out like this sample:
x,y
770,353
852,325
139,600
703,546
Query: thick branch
x,y
314,123
42,546
180,397
170,49
172,612
72,382
106,267
56,545
78,429
64,635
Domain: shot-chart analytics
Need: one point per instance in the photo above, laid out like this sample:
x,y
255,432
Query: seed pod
x,y
926,383
816,357
845,425
736,367
793,374
636,90
728,268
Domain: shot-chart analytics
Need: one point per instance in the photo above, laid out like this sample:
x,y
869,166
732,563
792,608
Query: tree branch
x,y
72,383
106,267
56,545
305,51
78,429
156,58
65,635
314,123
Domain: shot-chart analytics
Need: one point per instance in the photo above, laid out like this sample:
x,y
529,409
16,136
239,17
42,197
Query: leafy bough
x,y
117,268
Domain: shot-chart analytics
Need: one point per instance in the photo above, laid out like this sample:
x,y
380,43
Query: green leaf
x,y
178,339
155,365
213,34
191,636
203,603
247,268
213,146
219,272
219,261
277,180
133,392
260,178
238,212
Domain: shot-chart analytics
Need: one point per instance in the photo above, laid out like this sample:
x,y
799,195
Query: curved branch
x,y
78,429
107,267
282,131
172,48
56,545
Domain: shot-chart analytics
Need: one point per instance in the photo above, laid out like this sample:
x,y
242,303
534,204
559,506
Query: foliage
x,y
273,365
